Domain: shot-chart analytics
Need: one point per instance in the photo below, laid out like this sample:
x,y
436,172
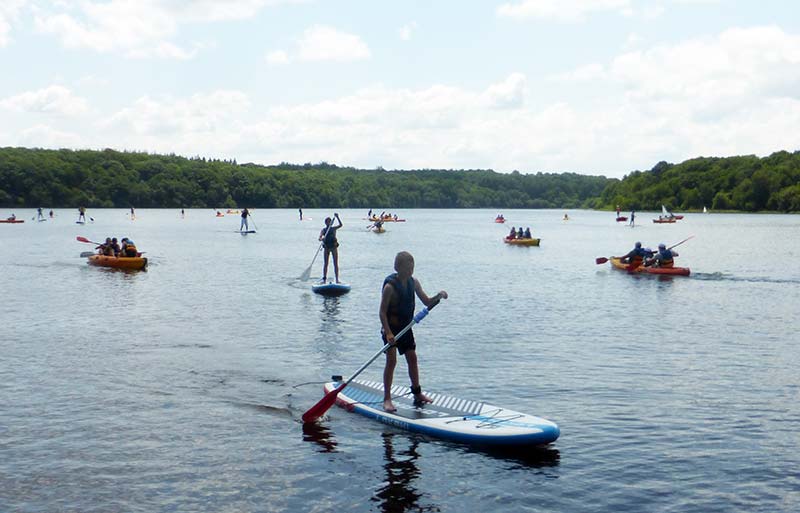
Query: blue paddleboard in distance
x,y
450,418
331,289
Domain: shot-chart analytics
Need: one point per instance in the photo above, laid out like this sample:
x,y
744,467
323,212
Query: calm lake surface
x,y
180,388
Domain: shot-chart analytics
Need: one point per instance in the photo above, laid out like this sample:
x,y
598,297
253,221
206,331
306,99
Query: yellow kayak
x,y
522,242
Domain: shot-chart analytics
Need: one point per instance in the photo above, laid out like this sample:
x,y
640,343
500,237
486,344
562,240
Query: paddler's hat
x,y
662,246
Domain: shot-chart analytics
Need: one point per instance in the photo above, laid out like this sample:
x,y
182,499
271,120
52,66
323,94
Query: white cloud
x,y
210,113
561,10
51,100
45,136
508,94
138,28
322,43
406,31
128,26
9,11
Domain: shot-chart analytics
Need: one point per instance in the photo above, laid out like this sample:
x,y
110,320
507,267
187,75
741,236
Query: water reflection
x,y
398,492
320,435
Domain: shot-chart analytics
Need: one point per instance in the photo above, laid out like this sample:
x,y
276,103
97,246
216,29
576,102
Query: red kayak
x,y
621,219
12,221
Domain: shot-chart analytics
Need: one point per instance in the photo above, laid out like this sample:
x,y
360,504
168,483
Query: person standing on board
x,y
397,311
301,213
51,214
82,214
328,237
633,215
39,214
244,227
617,210
133,214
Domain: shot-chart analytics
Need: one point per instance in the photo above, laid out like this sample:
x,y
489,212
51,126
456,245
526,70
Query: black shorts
x,y
405,343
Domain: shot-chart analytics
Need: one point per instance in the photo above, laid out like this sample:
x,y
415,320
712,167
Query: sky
x,y
598,87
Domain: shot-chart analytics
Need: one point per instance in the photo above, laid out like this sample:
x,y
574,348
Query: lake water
x,y
180,388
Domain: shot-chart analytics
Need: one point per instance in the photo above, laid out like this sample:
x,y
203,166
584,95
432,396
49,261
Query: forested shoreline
x,y
115,179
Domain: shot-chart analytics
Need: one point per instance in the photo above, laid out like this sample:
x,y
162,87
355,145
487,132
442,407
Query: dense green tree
x,y
109,178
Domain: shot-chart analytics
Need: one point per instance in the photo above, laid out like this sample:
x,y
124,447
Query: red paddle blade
x,y
600,260
83,239
324,404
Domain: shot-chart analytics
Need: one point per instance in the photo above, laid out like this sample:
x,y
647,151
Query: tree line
x,y
115,179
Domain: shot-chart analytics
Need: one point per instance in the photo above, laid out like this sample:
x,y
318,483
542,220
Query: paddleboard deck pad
x,y
450,418
331,289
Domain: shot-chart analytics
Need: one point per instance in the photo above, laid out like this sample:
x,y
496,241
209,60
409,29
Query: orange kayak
x,y
135,263
670,271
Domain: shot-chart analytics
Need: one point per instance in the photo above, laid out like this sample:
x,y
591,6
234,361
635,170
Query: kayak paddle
x,y
84,239
327,401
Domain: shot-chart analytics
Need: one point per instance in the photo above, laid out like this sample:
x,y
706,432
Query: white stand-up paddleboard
x,y
331,289
450,418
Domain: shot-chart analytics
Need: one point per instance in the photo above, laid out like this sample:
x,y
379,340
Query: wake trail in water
x,y
747,279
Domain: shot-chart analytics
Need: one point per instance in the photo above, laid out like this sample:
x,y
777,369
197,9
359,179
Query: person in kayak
x,y
513,234
115,247
243,227
527,233
396,312
664,258
635,257
328,237
128,248
520,233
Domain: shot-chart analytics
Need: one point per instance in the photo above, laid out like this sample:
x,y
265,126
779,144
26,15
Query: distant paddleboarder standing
x,y
301,213
328,237
633,215
133,214
39,214
81,214
243,227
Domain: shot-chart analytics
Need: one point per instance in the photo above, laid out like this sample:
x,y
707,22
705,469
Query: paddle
x,y
603,260
85,254
307,273
84,239
327,401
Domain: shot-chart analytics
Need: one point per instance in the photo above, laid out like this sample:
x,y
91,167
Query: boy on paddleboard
x,y
396,312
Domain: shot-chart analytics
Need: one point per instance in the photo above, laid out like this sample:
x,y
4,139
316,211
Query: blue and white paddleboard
x,y
331,289
450,418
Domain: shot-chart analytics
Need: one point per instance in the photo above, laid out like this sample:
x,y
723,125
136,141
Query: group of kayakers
x,y
519,233
383,217
639,256
123,248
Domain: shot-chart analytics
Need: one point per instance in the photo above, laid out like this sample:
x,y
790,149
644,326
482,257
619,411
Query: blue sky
x,y
587,86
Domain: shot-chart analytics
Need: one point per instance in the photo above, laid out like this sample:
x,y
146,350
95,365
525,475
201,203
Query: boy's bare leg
x,y
413,373
388,377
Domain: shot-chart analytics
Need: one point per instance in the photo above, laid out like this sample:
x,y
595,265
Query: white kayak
x,y
450,418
